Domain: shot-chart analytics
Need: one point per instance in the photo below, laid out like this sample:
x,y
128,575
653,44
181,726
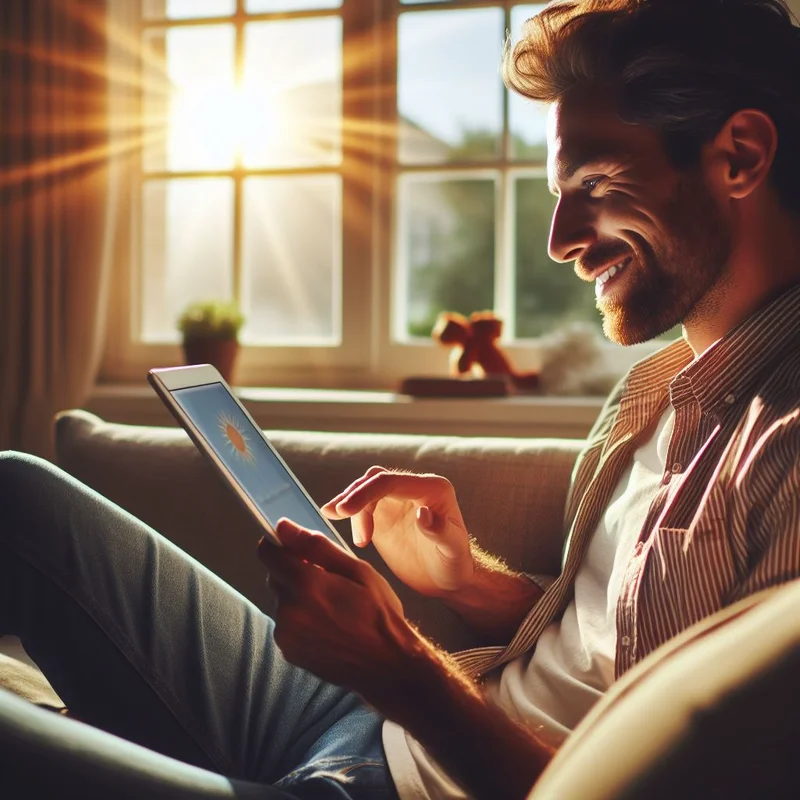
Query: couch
x,y
714,713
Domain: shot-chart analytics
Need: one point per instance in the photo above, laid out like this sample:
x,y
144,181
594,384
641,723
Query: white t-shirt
x,y
553,688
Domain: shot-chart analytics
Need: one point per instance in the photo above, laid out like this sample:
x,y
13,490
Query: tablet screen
x,y
247,456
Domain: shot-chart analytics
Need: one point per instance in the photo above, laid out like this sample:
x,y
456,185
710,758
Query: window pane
x,y
265,6
446,249
449,92
293,92
527,119
186,9
192,113
548,294
187,250
291,260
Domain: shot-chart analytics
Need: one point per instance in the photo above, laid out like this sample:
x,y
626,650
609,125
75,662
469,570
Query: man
x,y
674,152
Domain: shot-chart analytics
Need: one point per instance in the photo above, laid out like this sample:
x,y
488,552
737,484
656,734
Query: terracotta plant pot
x,y
220,353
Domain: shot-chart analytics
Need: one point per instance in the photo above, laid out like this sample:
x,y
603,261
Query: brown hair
x,y
681,67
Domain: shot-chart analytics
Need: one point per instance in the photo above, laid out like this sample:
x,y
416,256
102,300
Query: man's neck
x,y
762,267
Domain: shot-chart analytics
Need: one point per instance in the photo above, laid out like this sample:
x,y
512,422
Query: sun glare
x,y
277,104
236,437
219,125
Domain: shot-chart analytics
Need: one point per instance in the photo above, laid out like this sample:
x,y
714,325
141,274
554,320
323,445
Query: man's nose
x,y
572,230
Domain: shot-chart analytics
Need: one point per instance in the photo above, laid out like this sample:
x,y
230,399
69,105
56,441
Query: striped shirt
x,y
725,522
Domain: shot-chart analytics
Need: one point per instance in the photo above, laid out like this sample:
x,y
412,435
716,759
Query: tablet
x,y
202,402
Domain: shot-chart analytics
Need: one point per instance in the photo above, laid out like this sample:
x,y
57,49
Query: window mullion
x,y
387,180
238,288
504,250
505,267
366,169
136,272
506,143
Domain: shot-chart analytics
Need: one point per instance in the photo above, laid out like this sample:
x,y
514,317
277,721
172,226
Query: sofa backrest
x,y
512,493
713,713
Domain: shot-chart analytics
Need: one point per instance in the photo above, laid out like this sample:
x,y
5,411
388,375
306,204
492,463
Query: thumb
x,y
435,529
315,548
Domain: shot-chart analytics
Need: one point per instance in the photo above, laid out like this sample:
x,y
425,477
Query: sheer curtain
x,y
57,211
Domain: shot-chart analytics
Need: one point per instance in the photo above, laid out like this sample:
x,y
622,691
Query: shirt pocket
x,y
691,572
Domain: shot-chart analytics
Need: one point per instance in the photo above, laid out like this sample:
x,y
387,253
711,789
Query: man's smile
x,y
603,281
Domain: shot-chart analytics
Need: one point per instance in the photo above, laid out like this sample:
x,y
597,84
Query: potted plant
x,y
210,331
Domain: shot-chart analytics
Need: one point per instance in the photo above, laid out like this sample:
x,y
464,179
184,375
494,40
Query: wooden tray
x,y
454,387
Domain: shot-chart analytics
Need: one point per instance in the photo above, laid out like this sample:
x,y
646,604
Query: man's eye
x,y
590,184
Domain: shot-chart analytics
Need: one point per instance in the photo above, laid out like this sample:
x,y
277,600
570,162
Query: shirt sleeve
x,y
765,536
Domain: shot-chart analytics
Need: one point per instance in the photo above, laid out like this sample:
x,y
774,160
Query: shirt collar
x,y
728,370
652,375
645,389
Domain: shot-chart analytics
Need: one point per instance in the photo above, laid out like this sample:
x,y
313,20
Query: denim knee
x,y
27,483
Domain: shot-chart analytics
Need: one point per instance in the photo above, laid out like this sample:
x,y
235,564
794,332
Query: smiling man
x,y
674,152
652,238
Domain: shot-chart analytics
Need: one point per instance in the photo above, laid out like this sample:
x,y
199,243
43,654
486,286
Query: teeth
x,y
610,273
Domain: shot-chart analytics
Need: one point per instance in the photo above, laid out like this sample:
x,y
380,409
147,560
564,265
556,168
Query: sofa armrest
x,y
512,493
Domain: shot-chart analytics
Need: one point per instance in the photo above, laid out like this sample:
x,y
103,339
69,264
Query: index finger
x,y
329,509
398,485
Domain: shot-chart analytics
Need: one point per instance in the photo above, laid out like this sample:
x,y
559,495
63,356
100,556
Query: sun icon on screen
x,y
236,437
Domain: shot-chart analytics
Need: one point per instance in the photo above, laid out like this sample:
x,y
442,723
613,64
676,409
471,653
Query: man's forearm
x,y
497,599
476,743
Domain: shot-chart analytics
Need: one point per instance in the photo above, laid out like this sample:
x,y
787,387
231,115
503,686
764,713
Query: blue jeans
x,y
142,642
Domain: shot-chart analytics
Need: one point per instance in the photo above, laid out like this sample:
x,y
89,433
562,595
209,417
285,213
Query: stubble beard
x,y
671,280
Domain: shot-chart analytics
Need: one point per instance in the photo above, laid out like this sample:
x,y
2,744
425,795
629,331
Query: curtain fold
x,y
57,211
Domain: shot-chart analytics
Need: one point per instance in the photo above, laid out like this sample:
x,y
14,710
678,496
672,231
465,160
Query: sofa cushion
x,y
713,713
27,681
512,493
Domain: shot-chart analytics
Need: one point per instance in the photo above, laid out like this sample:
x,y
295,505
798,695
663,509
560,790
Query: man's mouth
x,y
602,282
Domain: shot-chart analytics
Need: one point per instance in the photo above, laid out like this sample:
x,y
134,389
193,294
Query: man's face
x,y
651,238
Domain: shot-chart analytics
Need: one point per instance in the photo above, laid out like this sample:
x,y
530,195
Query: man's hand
x,y
415,524
337,616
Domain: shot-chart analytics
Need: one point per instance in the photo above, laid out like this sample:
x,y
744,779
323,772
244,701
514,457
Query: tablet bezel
x,y
168,379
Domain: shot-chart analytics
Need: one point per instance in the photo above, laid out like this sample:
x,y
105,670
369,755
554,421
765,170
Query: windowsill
x,y
373,411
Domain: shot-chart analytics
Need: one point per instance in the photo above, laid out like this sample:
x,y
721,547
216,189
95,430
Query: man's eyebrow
x,y
571,165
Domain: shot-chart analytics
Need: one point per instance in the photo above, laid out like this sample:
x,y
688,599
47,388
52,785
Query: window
x,y
473,210
346,169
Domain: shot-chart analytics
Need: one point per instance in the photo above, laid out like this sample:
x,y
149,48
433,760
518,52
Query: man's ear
x,y
744,151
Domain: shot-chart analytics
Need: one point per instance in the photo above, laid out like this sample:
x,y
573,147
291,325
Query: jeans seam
x,y
128,650
328,766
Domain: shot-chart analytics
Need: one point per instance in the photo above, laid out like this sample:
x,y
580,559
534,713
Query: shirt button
x,y
626,641
730,399
676,468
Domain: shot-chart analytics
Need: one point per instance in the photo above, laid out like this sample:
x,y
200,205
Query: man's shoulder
x,y
774,405
768,437
782,379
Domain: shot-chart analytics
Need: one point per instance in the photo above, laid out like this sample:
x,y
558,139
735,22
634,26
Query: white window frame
x,y
369,355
